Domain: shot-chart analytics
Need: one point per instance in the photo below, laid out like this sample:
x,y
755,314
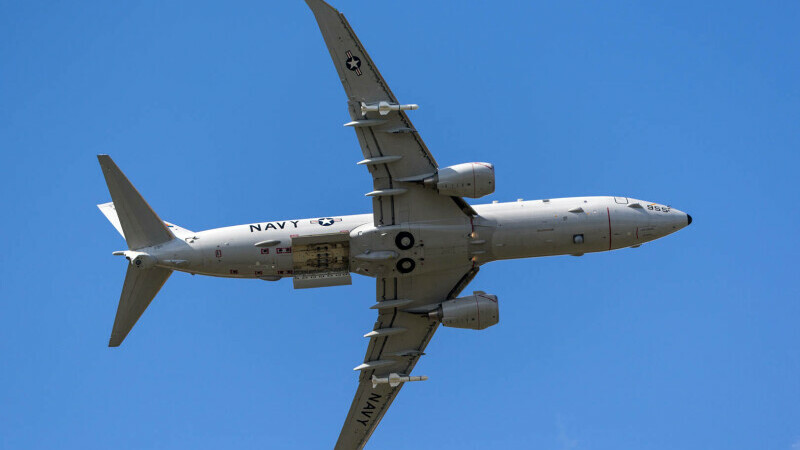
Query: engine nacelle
x,y
476,312
472,180
140,260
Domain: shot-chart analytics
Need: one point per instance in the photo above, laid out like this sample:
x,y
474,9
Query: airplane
x,y
422,242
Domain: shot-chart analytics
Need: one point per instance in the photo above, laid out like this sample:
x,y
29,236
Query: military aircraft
x,y
422,242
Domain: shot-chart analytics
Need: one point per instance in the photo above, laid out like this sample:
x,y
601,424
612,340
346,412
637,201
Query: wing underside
x,y
398,160
392,148
400,351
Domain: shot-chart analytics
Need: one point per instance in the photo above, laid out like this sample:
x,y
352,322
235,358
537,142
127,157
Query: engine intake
x,y
475,312
472,180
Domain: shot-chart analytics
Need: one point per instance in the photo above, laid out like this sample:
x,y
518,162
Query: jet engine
x,y
140,260
476,312
472,180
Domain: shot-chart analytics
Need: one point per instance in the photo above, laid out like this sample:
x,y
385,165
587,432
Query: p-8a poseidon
x,y
422,242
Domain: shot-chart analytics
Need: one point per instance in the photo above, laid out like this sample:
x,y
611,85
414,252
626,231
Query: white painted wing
x,y
399,352
390,139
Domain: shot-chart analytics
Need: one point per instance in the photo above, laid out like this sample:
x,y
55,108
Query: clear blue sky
x,y
231,113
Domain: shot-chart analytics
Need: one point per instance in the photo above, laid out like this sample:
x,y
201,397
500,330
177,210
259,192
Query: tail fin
x,y
141,286
111,214
140,224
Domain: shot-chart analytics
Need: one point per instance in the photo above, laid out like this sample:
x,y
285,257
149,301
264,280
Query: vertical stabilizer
x,y
142,227
141,286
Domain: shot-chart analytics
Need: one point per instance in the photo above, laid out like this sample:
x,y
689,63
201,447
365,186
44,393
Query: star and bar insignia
x,y
353,63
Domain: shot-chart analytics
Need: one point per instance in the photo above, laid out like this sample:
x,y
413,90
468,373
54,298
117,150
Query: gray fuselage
x,y
521,229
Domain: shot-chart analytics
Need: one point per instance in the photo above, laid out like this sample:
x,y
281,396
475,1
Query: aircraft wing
x,y
398,161
397,352
394,153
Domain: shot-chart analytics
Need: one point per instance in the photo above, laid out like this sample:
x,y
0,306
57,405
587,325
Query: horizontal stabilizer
x,y
140,224
141,286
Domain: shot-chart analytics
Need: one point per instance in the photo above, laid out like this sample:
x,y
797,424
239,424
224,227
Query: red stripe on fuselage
x,y
608,211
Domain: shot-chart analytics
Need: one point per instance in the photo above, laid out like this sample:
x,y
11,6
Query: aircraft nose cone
x,y
689,219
